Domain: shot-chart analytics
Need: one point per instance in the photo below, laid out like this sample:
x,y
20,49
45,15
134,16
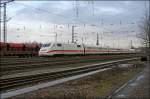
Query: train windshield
x,y
46,45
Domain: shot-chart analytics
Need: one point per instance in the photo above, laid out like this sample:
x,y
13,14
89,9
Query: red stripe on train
x,y
65,51
76,51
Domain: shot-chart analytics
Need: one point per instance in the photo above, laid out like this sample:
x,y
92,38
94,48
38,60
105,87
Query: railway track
x,y
40,60
49,63
117,91
19,60
10,83
5,61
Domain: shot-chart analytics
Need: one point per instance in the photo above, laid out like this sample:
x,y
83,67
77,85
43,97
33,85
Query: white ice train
x,y
55,48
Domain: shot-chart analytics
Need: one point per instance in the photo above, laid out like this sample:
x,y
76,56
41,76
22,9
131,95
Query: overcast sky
x,y
116,22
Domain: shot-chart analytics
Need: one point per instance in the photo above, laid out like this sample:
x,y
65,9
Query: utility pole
x,y
73,34
118,44
77,10
4,24
82,40
113,44
56,37
0,20
5,19
97,42
131,45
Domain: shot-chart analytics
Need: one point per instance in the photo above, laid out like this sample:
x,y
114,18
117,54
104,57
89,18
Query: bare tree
x,y
145,33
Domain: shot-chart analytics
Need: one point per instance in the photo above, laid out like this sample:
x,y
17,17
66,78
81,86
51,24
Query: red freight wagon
x,y
15,45
18,49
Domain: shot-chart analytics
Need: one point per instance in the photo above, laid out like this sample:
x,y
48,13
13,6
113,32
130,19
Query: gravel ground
x,y
94,86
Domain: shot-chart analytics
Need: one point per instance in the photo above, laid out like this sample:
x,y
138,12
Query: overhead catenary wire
x,y
66,17
46,11
51,13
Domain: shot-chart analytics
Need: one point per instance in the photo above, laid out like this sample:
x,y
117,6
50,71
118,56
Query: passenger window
x,y
78,45
46,45
59,45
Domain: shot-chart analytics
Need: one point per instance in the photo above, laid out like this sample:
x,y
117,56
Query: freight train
x,y
19,49
55,48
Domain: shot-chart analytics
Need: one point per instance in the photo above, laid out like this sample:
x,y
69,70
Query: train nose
x,y
42,53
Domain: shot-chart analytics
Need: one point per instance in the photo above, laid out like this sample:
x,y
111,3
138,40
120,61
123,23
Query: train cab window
x,y
46,45
78,45
59,45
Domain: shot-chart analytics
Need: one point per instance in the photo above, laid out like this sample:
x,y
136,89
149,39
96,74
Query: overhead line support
x,y
4,19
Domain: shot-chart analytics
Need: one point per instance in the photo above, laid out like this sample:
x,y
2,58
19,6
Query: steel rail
x,y
48,63
38,61
6,84
8,62
20,60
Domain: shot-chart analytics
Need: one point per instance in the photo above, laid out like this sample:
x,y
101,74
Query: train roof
x,y
19,45
31,45
61,43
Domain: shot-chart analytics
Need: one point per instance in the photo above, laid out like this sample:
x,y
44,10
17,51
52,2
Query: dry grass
x,y
94,86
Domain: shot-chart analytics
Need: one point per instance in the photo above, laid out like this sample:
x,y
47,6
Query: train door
x,y
59,48
63,48
83,49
